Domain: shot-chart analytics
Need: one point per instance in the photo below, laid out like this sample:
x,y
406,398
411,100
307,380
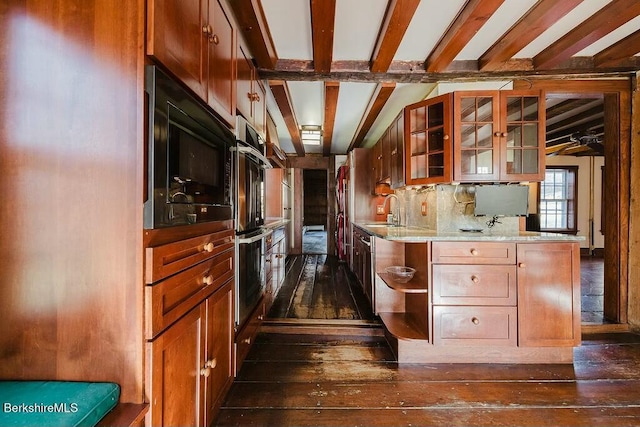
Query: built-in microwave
x,y
189,157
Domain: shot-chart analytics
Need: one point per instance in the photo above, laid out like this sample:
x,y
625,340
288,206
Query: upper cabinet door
x,y
177,37
522,136
427,136
243,85
477,136
221,41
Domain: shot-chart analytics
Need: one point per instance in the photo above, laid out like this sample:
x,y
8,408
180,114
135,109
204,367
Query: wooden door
x,y
221,44
428,145
477,136
176,383
548,276
176,38
219,357
522,136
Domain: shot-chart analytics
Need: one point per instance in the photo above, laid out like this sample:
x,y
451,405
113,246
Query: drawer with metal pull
x,y
474,284
473,253
475,326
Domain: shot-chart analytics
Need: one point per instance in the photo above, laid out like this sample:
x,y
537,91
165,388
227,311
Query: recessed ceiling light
x,y
311,134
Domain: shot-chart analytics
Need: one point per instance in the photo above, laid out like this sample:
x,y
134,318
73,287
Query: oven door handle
x,y
255,238
255,153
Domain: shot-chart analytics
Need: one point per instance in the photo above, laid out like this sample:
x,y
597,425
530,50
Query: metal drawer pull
x,y
205,372
475,320
474,252
522,265
208,247
208,279
212,363
475,279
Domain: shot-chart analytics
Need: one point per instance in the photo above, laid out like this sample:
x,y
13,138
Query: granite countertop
x,y
420,234
273,223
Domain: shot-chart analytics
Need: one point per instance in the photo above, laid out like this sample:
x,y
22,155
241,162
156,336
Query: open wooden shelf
x,y
400,325
413,286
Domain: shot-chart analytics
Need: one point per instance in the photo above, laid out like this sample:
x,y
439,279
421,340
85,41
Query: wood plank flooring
x,y
332,380
317,286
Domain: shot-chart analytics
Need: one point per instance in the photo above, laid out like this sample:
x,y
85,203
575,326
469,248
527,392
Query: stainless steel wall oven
x,y
250,163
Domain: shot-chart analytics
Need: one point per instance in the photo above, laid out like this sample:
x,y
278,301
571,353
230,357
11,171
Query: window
x,y
559,199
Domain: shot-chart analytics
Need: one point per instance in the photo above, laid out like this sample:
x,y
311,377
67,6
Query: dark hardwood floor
x,y
592,290
324,380
317,286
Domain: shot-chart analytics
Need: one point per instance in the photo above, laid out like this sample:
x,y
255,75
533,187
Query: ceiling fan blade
x,y
556,149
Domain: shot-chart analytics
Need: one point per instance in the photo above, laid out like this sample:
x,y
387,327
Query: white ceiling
x,y
357,24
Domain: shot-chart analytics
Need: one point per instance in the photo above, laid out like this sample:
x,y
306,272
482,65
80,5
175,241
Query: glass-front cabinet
x,y
428,127
499,136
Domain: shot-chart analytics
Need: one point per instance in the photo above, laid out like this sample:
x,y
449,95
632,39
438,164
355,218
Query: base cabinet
x,y
191,364
488,302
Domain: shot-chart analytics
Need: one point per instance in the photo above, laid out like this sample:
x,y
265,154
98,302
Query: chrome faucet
x,y
172,198
396,218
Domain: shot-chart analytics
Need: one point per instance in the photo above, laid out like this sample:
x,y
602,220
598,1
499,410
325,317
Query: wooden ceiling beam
x,y
582,127
253,25
280,92
379,98
323,14
591,113
414,72
601,23
395,24
625,48
538,19
470,19
331,90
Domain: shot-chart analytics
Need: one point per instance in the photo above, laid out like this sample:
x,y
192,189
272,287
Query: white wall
x,y
587,174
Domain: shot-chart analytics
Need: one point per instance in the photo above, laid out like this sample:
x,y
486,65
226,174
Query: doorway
x,y
315,211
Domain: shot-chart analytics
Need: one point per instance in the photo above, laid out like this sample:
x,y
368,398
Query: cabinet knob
x,y
211,363
475,279
475,320
522,265
496,134
247,341
503,134
474,252
214,39
445,137
206,29
208,247
208,279
260,317
267,260
205,372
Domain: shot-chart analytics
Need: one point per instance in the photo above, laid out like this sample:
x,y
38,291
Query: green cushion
x,y
55,403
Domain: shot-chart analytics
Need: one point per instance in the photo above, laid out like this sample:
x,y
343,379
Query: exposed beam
x,y
331,90
253,25
623,49
395,24
582,127
280,92
591,113
565,106
538,19
472,17
601,23
378,99
323,14
414,72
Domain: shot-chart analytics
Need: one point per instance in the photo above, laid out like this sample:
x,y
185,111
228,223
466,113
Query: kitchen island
x,y
477,297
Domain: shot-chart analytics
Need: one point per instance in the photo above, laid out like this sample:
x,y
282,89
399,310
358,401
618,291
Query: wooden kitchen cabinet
x,y
499,136
396,134
251,102
196,41
189,320
428,141
548,297
191,364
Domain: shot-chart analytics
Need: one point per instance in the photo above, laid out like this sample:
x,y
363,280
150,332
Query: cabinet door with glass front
x,y
522,134
427,129
477,136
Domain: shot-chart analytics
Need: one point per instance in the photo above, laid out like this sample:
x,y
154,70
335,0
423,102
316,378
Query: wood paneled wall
x,y
71,156
634,215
